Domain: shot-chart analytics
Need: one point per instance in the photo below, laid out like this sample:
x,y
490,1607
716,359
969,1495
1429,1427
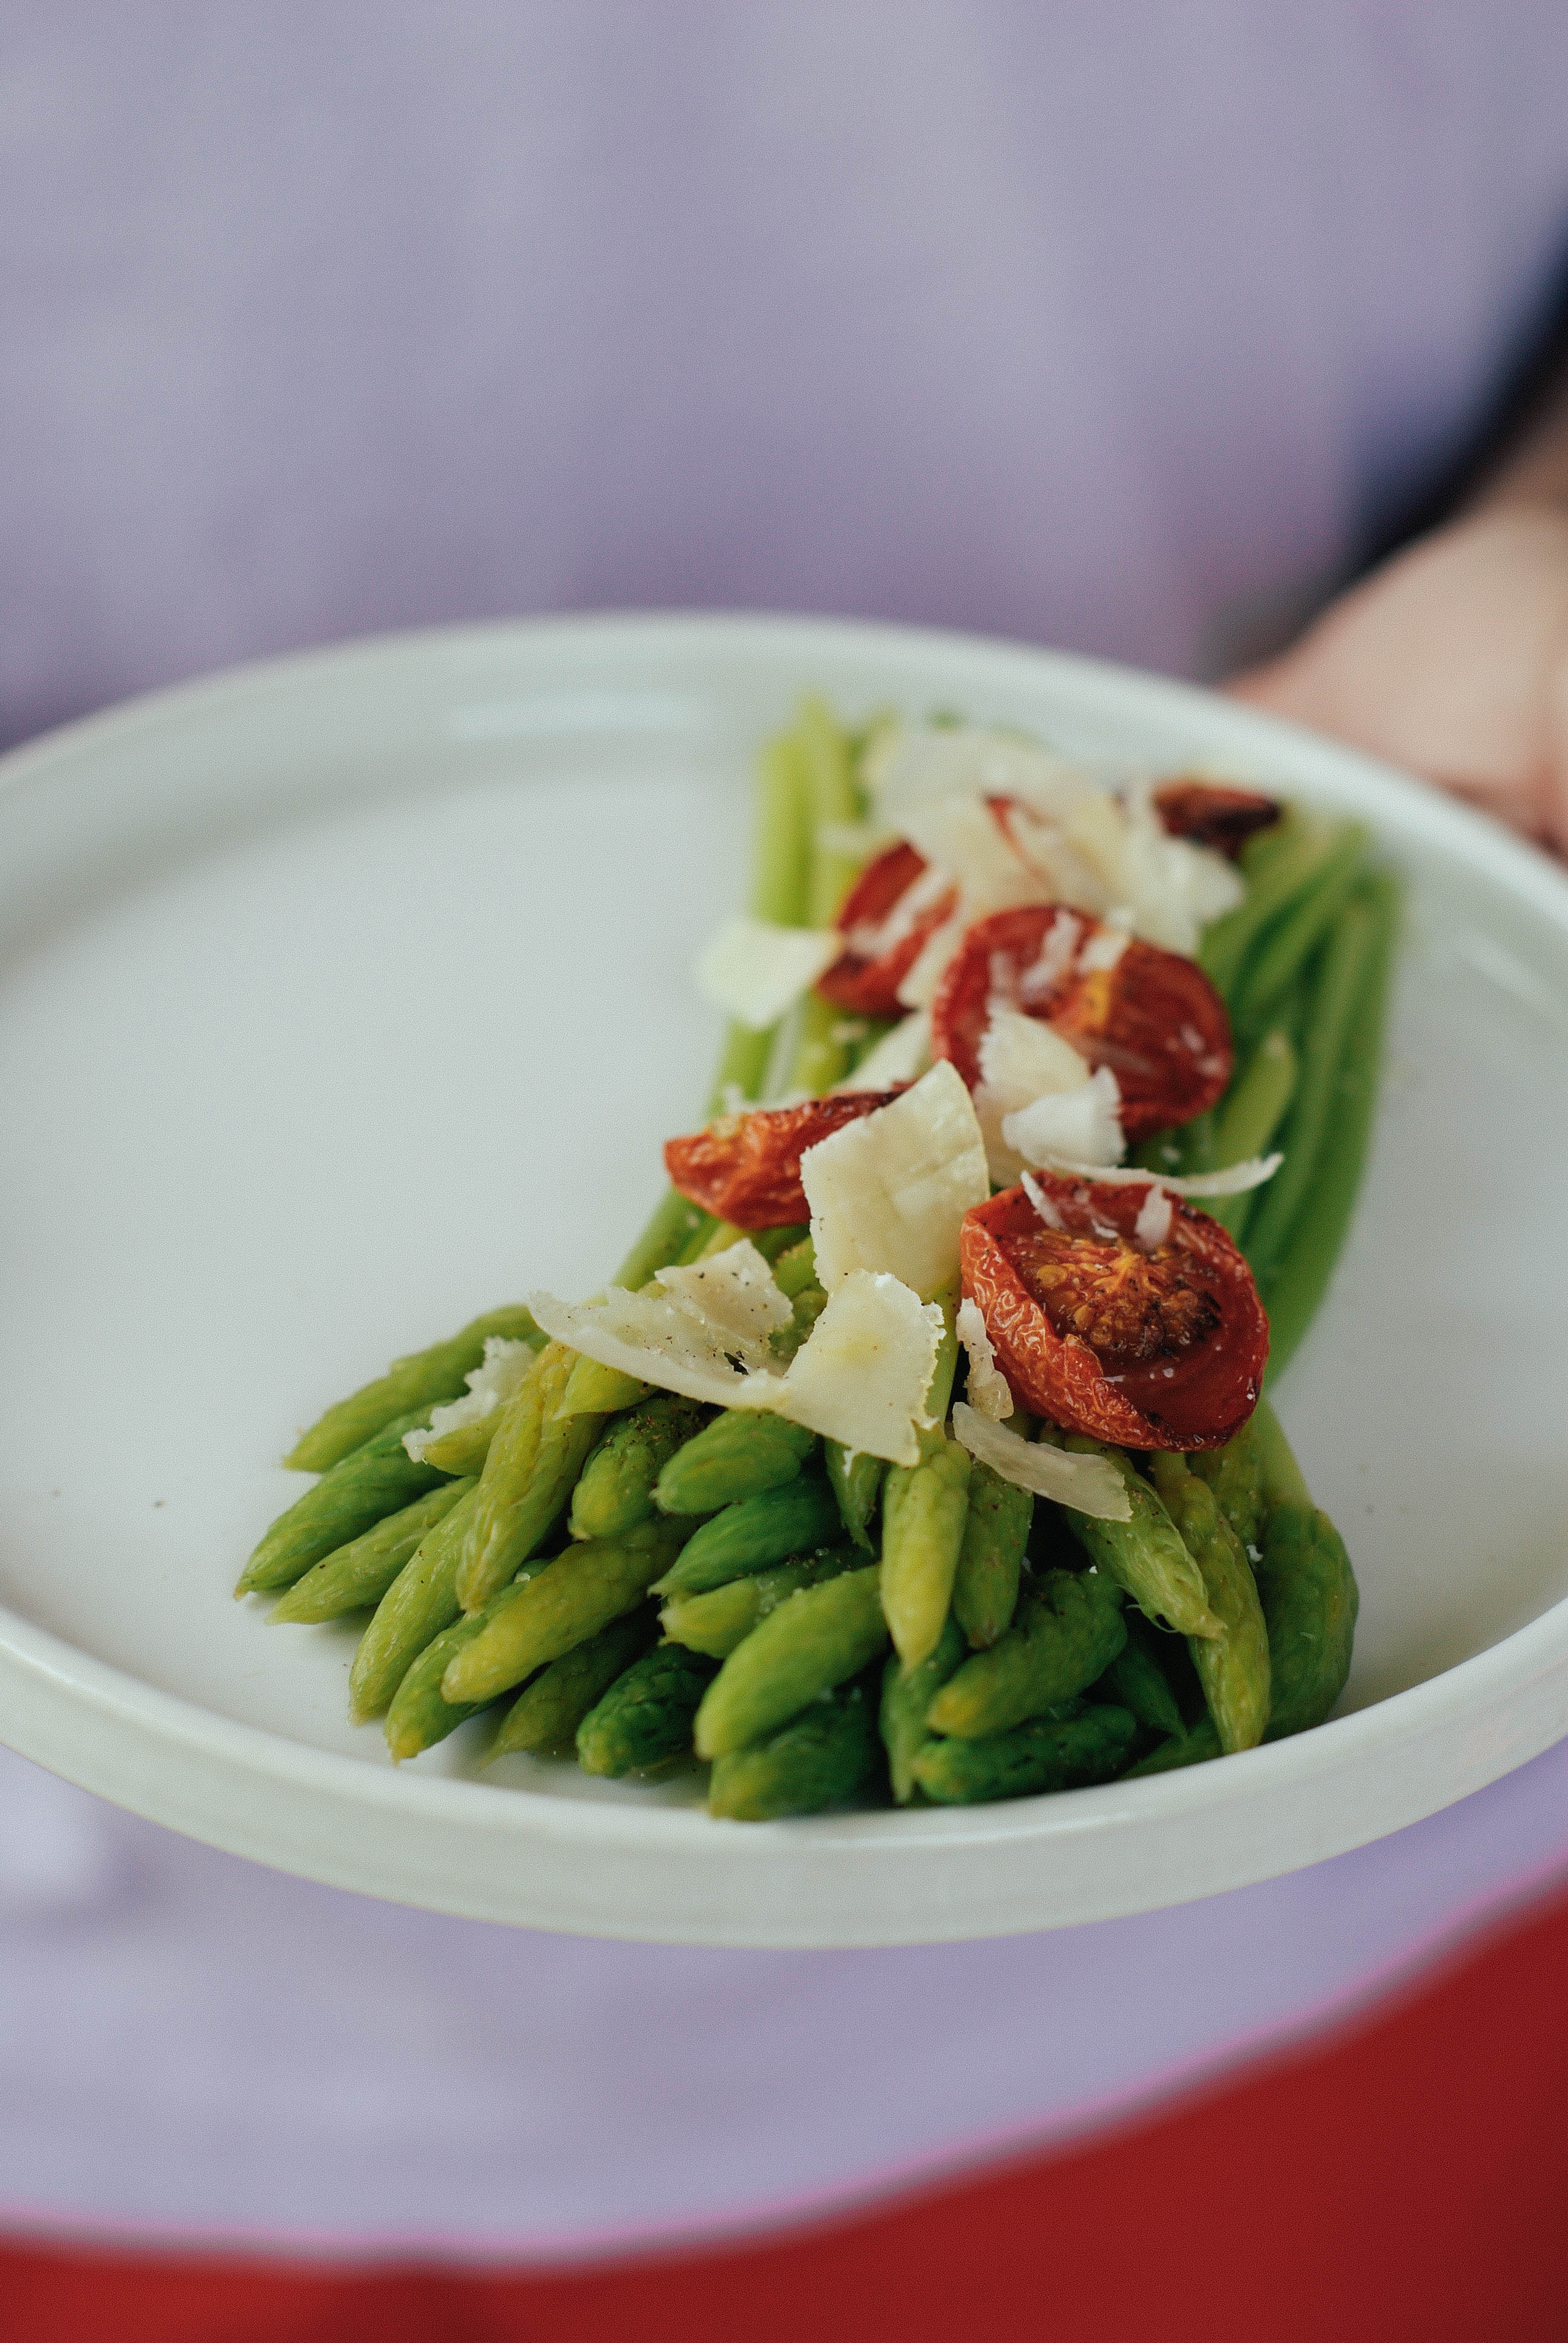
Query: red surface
x,y
1407,2181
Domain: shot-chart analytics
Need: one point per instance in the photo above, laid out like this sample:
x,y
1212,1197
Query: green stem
x,y
1274,881
781,880
1346,960
1285,948
1250,1117
677,1223
1295,1287
833,798
1285,1482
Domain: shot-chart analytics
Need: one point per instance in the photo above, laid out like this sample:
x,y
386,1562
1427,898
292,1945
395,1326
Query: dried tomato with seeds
x,y
1158,1345
1211,814
881,946
746,1168
1152,1017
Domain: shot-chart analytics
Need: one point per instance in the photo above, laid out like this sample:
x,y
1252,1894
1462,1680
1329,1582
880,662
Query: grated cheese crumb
x,y
504,1365
989,1393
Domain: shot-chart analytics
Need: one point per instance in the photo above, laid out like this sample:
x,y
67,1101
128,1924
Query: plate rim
x,y
45,1676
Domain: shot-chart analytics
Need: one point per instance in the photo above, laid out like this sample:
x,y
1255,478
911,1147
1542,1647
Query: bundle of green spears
x,y
647,1579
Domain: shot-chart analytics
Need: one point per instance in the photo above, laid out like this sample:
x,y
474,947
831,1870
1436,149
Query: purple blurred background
x,y
1121,327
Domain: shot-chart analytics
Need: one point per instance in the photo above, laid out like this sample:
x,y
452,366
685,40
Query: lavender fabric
x,y
193,2048
1118,327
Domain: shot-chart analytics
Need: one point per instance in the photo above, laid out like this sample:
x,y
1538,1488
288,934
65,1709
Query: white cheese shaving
x,y
963,843
1077,841
900,1056
496,1379
860,1377
907,762
1052,962
890,1191
918,989
1104,949
1085,1123
872,938
1234,1181
755,971
661,1336
1170,888
732,1299
1043,1205
989,1393
1044,845
1021,1059
1087,1485
1152,1226
962,836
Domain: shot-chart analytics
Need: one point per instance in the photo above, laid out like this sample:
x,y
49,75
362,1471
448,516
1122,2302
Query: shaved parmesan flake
x,y
1104,950
907,762
918,989
1234,1181
1086,1485
1170,888
891,1191
1042,1203
504,1366
648,1338
964,845
1021,1059
872,939
1050,854
1058,950
1152,1226
703,1330
1085,1123
961,836
734,1296
754,971
900,1056
990,1395
860,1377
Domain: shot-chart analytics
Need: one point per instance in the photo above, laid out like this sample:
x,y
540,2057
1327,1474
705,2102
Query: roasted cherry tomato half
x,y
746,1168
882,941
1149,1335
1212,815
1152,1017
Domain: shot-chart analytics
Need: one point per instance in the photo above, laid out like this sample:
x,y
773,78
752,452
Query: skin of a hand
x,y
1450,659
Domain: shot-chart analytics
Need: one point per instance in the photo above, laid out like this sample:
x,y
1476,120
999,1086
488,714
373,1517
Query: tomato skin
x,y
1212,814
1203,1399
746,1168
870,987
1154,1018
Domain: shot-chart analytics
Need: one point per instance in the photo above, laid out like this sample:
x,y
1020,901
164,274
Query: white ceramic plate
x,y
343,998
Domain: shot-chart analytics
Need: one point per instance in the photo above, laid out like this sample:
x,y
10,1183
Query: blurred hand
x,y
1452,660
